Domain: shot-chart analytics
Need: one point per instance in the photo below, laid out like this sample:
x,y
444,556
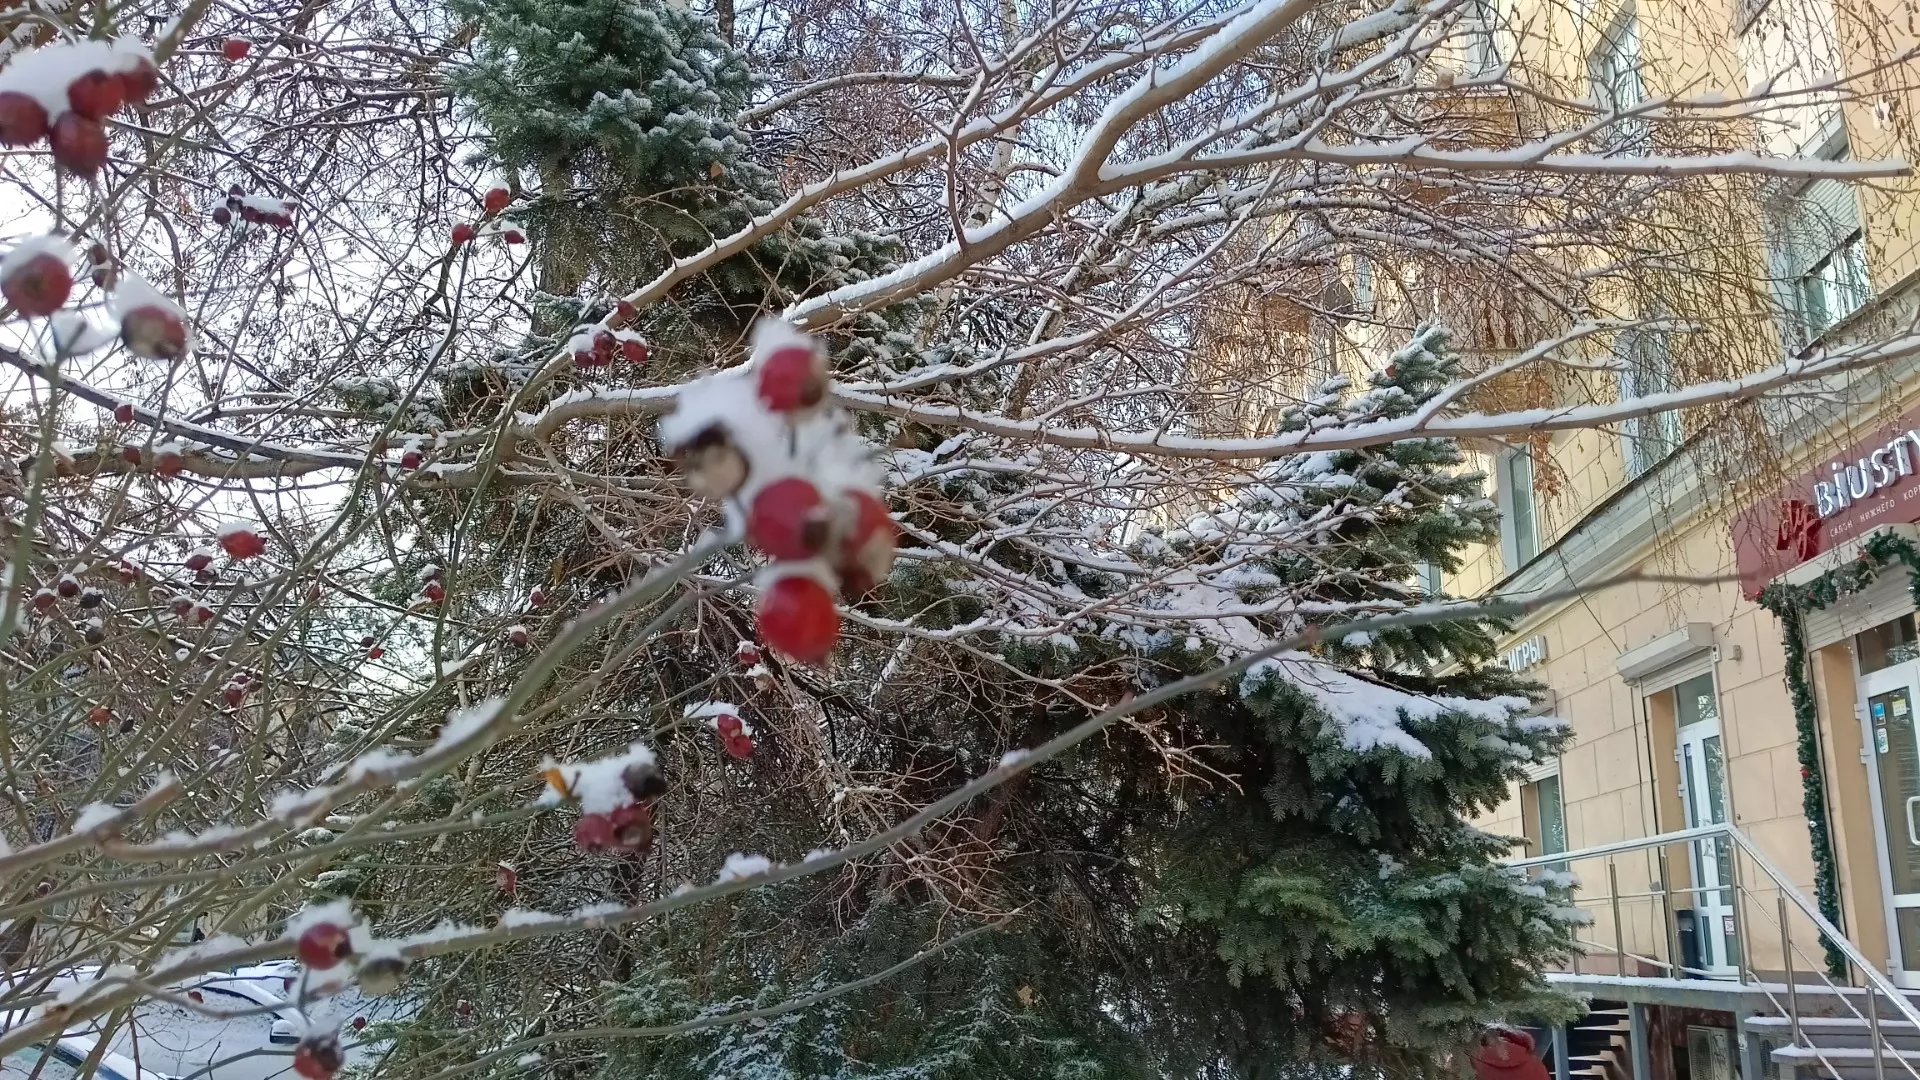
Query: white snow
x,y
33,247
1014,757
234,528
740,866
600,785
462,724
93,815
135,292
45,73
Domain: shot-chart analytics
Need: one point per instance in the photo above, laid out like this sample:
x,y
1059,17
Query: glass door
x,y
1890,699
1703,796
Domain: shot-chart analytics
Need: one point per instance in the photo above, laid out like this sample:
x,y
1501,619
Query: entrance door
x,y
1703,795
1888,727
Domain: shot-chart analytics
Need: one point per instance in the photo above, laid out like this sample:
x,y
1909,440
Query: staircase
x,y
1839,1046
1597,1044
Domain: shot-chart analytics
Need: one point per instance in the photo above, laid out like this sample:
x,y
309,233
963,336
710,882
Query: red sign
x,y
1874,482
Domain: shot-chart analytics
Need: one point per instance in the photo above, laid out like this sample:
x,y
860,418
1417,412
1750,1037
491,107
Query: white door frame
x,y
1712,910
1902,675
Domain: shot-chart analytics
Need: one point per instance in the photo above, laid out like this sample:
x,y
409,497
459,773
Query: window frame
x,y
1618,63
1511,533
1645,367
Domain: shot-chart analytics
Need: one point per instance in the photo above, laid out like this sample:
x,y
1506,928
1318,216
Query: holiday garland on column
x,y
1789,603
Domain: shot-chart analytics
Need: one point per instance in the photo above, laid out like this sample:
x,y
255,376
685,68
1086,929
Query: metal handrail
x,y
1786,887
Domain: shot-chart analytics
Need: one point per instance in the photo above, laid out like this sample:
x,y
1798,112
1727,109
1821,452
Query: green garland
x,y
1789,603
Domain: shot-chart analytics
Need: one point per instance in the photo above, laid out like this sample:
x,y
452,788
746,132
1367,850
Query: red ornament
x,y
96,95
463,233
793,378
39,286
592,832
797,617
788,519
154,332
79,144
235,49
318,1057
242,543
23,120
865,554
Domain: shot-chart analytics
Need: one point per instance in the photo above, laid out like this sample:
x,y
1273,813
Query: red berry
x,y
123,413
410,459
39,286
592,832
792,378
537,597
95,95
242,543
234,694
203,611
463,1008
788,520
79,144
222,216
166,461
99,716
635,351
154,332
44,599
515,236
314,594
359,1023
235,49
318,1057
797,617
625,312
368,642
23,120
747,653
130,455
507,878
518,635
632,827
865,553
68,587
199,561
462,234
138,82
323,945
181,605
434,592
603,344
497,199
376,653
728,725
740,746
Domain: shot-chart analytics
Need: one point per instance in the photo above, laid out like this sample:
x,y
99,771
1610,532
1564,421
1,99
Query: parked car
x,y
66,1057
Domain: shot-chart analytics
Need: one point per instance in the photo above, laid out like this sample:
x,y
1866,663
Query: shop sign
x,y
1528,653
1875,482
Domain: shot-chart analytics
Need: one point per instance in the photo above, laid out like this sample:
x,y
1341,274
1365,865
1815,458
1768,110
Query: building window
x,y
1646,368
1820,249
1615,72
1430,583
1521,532
1543,816
1482,54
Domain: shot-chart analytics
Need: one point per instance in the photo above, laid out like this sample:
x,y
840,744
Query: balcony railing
x,y
1766,938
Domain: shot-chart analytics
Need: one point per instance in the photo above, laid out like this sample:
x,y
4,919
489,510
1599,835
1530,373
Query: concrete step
x,y
1837,1031
1845,1062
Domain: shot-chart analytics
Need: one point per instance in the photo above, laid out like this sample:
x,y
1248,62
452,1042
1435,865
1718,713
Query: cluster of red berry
x,y
35,278
255,209
625,825
64,93
495,200
822,529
